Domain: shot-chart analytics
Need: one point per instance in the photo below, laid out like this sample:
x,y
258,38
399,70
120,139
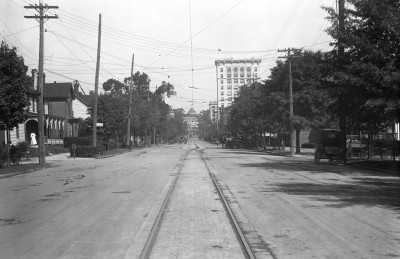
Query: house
x,y
63,105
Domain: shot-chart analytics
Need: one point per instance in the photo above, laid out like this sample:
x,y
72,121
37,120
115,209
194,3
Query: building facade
x,y
63,107
213,107
233,73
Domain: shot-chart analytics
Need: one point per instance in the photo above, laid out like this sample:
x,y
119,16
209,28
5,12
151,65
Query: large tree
x,y
14,86
367,79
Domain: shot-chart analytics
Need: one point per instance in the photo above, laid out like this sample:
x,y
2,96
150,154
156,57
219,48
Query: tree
x,y
14,86
176,126
367,85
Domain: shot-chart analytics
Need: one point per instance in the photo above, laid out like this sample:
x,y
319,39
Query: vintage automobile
x,y
331,146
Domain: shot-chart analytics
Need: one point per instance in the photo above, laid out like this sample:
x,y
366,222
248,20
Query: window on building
x,y
235,75
222,76
222,99
248,75
222,93
222,81
241,69
221,69
229,93
228,75
229,99
255,74
241,74
235,81
229,81
242,81
222,105
235,69
249,81
255,69
228,69
248,69
229,87
222,87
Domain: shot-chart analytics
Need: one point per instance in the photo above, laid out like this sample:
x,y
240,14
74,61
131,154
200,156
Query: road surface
x,y
287,208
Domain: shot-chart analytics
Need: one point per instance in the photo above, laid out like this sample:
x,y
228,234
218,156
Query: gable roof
x,y
58,91
87,99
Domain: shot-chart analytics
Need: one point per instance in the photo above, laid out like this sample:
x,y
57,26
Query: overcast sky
x,y
158,33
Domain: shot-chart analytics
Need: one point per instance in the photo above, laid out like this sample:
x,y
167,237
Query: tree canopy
x,y
14,86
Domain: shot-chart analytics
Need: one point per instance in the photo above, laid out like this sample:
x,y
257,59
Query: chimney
x,y
34,79
76,88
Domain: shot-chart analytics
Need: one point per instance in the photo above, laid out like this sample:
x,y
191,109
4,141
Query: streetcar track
x,y
235,224
158,222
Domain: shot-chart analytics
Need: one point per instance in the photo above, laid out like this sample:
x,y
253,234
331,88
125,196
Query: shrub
x,y
87,151
308,145
79,141
22,147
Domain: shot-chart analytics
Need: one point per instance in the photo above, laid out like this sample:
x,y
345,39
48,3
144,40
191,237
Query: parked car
x,y
331,146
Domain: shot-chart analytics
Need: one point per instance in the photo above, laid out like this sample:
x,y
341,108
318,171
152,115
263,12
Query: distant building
x,y
213,107
232,73
192,121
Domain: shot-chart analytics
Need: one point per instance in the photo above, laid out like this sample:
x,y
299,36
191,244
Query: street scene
x,y
199,129
285,208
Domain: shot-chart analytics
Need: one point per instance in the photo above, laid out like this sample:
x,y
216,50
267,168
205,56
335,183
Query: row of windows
x,y
229,87
229,93
236,81
236,75
235,69
229,99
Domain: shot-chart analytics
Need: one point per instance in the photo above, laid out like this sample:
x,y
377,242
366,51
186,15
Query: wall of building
x,y
79,109
231,74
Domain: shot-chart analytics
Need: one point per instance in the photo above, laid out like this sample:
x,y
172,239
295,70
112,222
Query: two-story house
x,y
63,107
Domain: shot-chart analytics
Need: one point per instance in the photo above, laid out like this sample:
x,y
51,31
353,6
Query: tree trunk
x,y
298,141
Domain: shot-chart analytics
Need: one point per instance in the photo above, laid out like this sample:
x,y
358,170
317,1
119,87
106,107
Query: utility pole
x,y
41,9
96,85
290,55
128,143
342,115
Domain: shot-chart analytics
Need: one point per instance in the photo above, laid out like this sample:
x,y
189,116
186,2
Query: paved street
x,y
287,208
86,208
303,210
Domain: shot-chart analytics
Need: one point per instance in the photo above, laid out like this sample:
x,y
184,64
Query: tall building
x,y
232,73
213,111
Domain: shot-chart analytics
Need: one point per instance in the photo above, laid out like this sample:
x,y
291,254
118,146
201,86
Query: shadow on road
x,y
366,192
318,182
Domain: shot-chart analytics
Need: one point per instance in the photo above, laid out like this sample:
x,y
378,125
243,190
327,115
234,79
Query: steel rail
x,y
235,224
157,223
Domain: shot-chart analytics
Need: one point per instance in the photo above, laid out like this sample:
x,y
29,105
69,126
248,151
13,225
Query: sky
x,y
168,39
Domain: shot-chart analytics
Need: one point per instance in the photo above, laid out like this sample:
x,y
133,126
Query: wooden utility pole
x,y
290,56
342,115
128,141
41,8
96,85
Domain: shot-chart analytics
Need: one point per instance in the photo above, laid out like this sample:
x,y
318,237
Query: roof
x,y
58,91
233,61
192,111
87,99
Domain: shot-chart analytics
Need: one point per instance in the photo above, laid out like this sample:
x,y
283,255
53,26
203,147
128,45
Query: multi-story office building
x,y
233,73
